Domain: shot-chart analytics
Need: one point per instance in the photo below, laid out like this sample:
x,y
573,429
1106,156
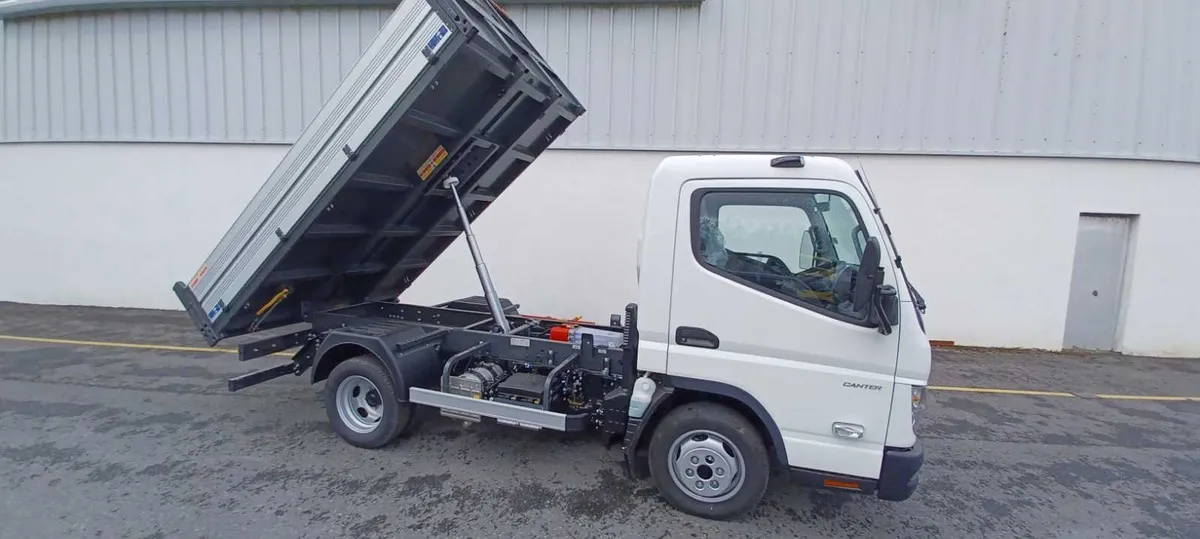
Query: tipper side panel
x,y
356,210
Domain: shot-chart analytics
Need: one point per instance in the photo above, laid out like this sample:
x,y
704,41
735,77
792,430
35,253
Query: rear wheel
x,y
709,461
360,402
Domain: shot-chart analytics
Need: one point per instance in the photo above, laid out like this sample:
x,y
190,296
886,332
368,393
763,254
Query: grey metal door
x,y
1097,282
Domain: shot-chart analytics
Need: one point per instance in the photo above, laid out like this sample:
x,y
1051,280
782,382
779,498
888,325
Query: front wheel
x,y
709,461
360,402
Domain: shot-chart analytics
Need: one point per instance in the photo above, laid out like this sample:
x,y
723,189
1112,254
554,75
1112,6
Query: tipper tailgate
x,y
356,210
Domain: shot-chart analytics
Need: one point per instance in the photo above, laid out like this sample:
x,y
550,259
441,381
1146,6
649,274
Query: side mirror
x,y
869,274
857,236
807,250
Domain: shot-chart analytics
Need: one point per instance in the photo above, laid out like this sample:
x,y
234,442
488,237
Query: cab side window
x,y
795,245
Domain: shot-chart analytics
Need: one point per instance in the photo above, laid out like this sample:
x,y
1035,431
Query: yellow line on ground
x,y
130,345
957,389
1027,392
1147,398
110,344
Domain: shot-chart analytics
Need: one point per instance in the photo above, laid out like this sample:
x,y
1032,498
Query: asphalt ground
x,y
112,441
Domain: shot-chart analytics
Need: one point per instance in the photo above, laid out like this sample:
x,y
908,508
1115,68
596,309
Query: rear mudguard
x,y
416,365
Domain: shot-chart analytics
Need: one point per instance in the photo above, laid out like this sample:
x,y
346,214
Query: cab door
x,y
758,308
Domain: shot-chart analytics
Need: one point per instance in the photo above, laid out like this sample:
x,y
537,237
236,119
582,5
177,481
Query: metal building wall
x,y
221,75
1106,78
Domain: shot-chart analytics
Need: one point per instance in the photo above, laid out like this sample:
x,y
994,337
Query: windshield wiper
x,y
918,300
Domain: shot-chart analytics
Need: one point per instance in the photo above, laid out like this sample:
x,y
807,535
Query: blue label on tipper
x,y
214,312
436,40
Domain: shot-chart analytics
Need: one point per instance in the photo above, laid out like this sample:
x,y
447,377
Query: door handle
x,y
698,337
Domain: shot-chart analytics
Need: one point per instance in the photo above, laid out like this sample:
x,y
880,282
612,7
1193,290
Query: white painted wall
x,y
989,241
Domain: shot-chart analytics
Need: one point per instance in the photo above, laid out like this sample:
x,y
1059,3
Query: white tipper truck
x,y
774,327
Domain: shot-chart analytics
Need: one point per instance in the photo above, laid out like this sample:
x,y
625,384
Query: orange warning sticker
x,y
199,273
432,163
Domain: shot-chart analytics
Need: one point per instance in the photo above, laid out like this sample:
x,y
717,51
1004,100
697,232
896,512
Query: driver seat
x,y
712,243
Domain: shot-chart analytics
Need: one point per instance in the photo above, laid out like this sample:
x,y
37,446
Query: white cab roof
x,y
675,170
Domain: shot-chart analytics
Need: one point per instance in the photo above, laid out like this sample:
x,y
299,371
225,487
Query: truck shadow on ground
x,y
589,485
966,489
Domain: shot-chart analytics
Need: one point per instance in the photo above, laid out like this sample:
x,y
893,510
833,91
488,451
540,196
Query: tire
x,y
360,402
709,431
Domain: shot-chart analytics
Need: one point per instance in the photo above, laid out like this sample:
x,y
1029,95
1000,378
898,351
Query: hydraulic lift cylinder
x,y
489,290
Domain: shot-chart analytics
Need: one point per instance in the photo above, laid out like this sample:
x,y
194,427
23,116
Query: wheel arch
x,y
330,357
680,391
338,347
415,366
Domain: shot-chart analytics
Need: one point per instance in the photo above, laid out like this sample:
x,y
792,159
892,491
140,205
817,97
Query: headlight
x,y
918,403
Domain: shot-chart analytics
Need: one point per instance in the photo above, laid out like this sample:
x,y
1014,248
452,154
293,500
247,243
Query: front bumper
x,y
899,476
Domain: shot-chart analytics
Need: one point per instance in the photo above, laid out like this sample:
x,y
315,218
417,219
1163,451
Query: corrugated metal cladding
x,y
240,75
1106,78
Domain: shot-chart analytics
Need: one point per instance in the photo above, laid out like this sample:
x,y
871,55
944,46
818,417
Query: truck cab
x,y
771,282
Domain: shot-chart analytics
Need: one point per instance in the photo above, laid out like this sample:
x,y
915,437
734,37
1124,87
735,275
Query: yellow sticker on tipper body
x,y
432,162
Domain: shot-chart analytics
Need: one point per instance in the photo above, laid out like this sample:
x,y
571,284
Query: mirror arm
x,y
883,325
884,317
